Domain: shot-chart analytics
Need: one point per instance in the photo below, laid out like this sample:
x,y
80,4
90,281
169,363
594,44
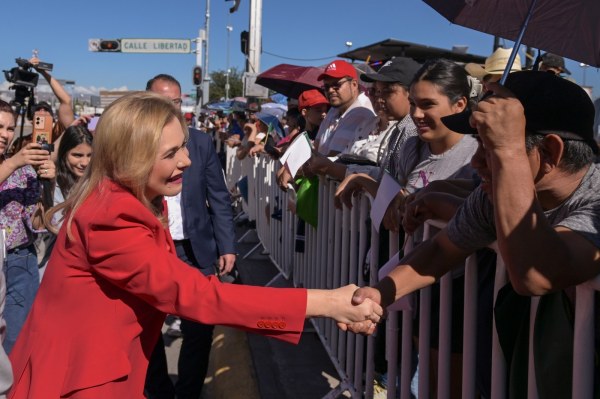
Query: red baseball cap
x,y
338,69
310,98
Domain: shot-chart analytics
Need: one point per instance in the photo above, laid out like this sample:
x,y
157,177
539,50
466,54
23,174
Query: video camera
x,y
22,75
24,80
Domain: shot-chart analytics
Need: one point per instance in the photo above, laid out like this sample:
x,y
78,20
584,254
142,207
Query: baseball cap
x,y
495,64
43,105
397,70
552,105
310,98
338,69
555,61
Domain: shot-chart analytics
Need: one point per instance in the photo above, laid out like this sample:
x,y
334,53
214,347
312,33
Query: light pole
x,y
584,67
206,78
229,29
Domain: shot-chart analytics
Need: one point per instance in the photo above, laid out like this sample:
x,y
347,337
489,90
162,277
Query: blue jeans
x,y
22,282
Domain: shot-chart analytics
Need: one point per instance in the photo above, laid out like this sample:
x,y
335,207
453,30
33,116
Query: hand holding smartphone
x,y
42,131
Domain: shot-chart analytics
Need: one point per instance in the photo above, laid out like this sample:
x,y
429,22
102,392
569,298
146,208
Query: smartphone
x,y
42,131
92,123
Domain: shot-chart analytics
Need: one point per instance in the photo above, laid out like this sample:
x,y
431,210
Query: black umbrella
x,y
566,27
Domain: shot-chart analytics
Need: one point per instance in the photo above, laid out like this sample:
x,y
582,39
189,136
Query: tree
x,y
218,79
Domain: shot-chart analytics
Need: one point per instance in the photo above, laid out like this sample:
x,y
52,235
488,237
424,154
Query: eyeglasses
x,y
336,86
177,101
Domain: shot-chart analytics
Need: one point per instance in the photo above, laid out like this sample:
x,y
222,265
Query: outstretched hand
x,y
359,297
346,310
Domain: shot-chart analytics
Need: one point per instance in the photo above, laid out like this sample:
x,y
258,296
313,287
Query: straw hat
x,y
494,64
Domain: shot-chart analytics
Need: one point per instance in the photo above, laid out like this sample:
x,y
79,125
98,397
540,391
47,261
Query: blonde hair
x,y
125,148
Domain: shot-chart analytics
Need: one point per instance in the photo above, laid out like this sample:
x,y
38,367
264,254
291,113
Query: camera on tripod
x,y
22,75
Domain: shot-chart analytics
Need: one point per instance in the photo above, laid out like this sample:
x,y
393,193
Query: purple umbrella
x,y
566,27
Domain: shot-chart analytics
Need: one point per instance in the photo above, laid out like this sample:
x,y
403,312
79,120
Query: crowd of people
x,y
502,177
132,220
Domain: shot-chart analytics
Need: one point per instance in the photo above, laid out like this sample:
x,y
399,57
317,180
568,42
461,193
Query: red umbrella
x,y
290,80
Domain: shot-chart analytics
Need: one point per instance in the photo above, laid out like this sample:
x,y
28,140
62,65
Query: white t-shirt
x,y
338,131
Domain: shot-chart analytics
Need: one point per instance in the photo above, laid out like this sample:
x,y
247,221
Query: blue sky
x,y
307,29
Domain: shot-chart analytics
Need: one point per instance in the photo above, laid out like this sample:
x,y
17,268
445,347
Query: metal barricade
x,y
335,254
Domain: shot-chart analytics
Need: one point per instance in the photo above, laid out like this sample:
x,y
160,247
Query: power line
x,y
299,59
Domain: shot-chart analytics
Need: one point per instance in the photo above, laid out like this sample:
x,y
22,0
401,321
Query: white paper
x,y
297,154
404,303
260,136
388,189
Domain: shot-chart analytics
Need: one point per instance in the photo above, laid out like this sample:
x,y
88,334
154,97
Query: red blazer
x,y
103,299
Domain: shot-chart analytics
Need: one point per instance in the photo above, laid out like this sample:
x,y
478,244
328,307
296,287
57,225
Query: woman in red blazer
x,y
114,274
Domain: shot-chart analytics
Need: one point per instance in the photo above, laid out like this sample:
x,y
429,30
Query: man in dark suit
x,y
201,224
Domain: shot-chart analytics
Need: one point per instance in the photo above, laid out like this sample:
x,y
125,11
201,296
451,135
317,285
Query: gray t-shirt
x,y
418,166
473,226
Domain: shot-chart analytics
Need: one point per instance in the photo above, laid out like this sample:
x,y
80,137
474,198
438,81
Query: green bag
x,y
307,200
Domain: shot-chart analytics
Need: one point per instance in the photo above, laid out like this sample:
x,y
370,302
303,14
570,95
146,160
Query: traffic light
x,y
244,41
109,45
197,76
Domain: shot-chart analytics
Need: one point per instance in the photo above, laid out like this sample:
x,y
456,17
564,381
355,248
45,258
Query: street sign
x,y
251,89
170,46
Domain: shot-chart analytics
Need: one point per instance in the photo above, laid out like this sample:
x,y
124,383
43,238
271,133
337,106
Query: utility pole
x,y
206,80
229,29
199,44
255,42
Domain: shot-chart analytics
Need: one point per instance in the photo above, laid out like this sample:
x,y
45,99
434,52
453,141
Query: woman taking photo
x,y
114,274
20,218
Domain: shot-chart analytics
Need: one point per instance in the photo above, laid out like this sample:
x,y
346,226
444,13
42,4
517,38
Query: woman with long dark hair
x,y
74,155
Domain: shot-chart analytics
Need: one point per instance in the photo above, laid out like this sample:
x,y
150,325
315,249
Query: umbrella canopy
x,y
290,80
566,27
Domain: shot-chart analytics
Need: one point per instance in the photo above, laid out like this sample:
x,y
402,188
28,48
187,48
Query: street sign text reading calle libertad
x,y
172,46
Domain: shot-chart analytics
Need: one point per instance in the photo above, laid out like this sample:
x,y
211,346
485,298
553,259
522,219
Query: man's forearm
x,y
421,267
528,243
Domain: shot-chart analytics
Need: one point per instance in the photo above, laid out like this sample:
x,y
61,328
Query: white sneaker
x,y
174,330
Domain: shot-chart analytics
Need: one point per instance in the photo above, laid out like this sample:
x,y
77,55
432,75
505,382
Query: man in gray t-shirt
x,y
538,196
474,227
539,199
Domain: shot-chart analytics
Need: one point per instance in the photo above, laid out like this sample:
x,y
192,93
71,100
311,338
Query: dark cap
x,y
552,105
555,61
42,105
397,70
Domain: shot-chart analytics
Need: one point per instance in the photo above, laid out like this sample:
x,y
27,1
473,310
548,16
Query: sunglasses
x,y
336,86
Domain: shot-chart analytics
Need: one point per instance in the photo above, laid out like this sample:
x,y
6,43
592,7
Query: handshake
x,y
354,309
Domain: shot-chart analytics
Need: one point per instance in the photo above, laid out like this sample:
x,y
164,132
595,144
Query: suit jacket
x,y
100,307
206,204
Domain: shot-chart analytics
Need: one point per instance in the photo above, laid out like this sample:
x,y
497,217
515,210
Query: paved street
x,y
248,366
